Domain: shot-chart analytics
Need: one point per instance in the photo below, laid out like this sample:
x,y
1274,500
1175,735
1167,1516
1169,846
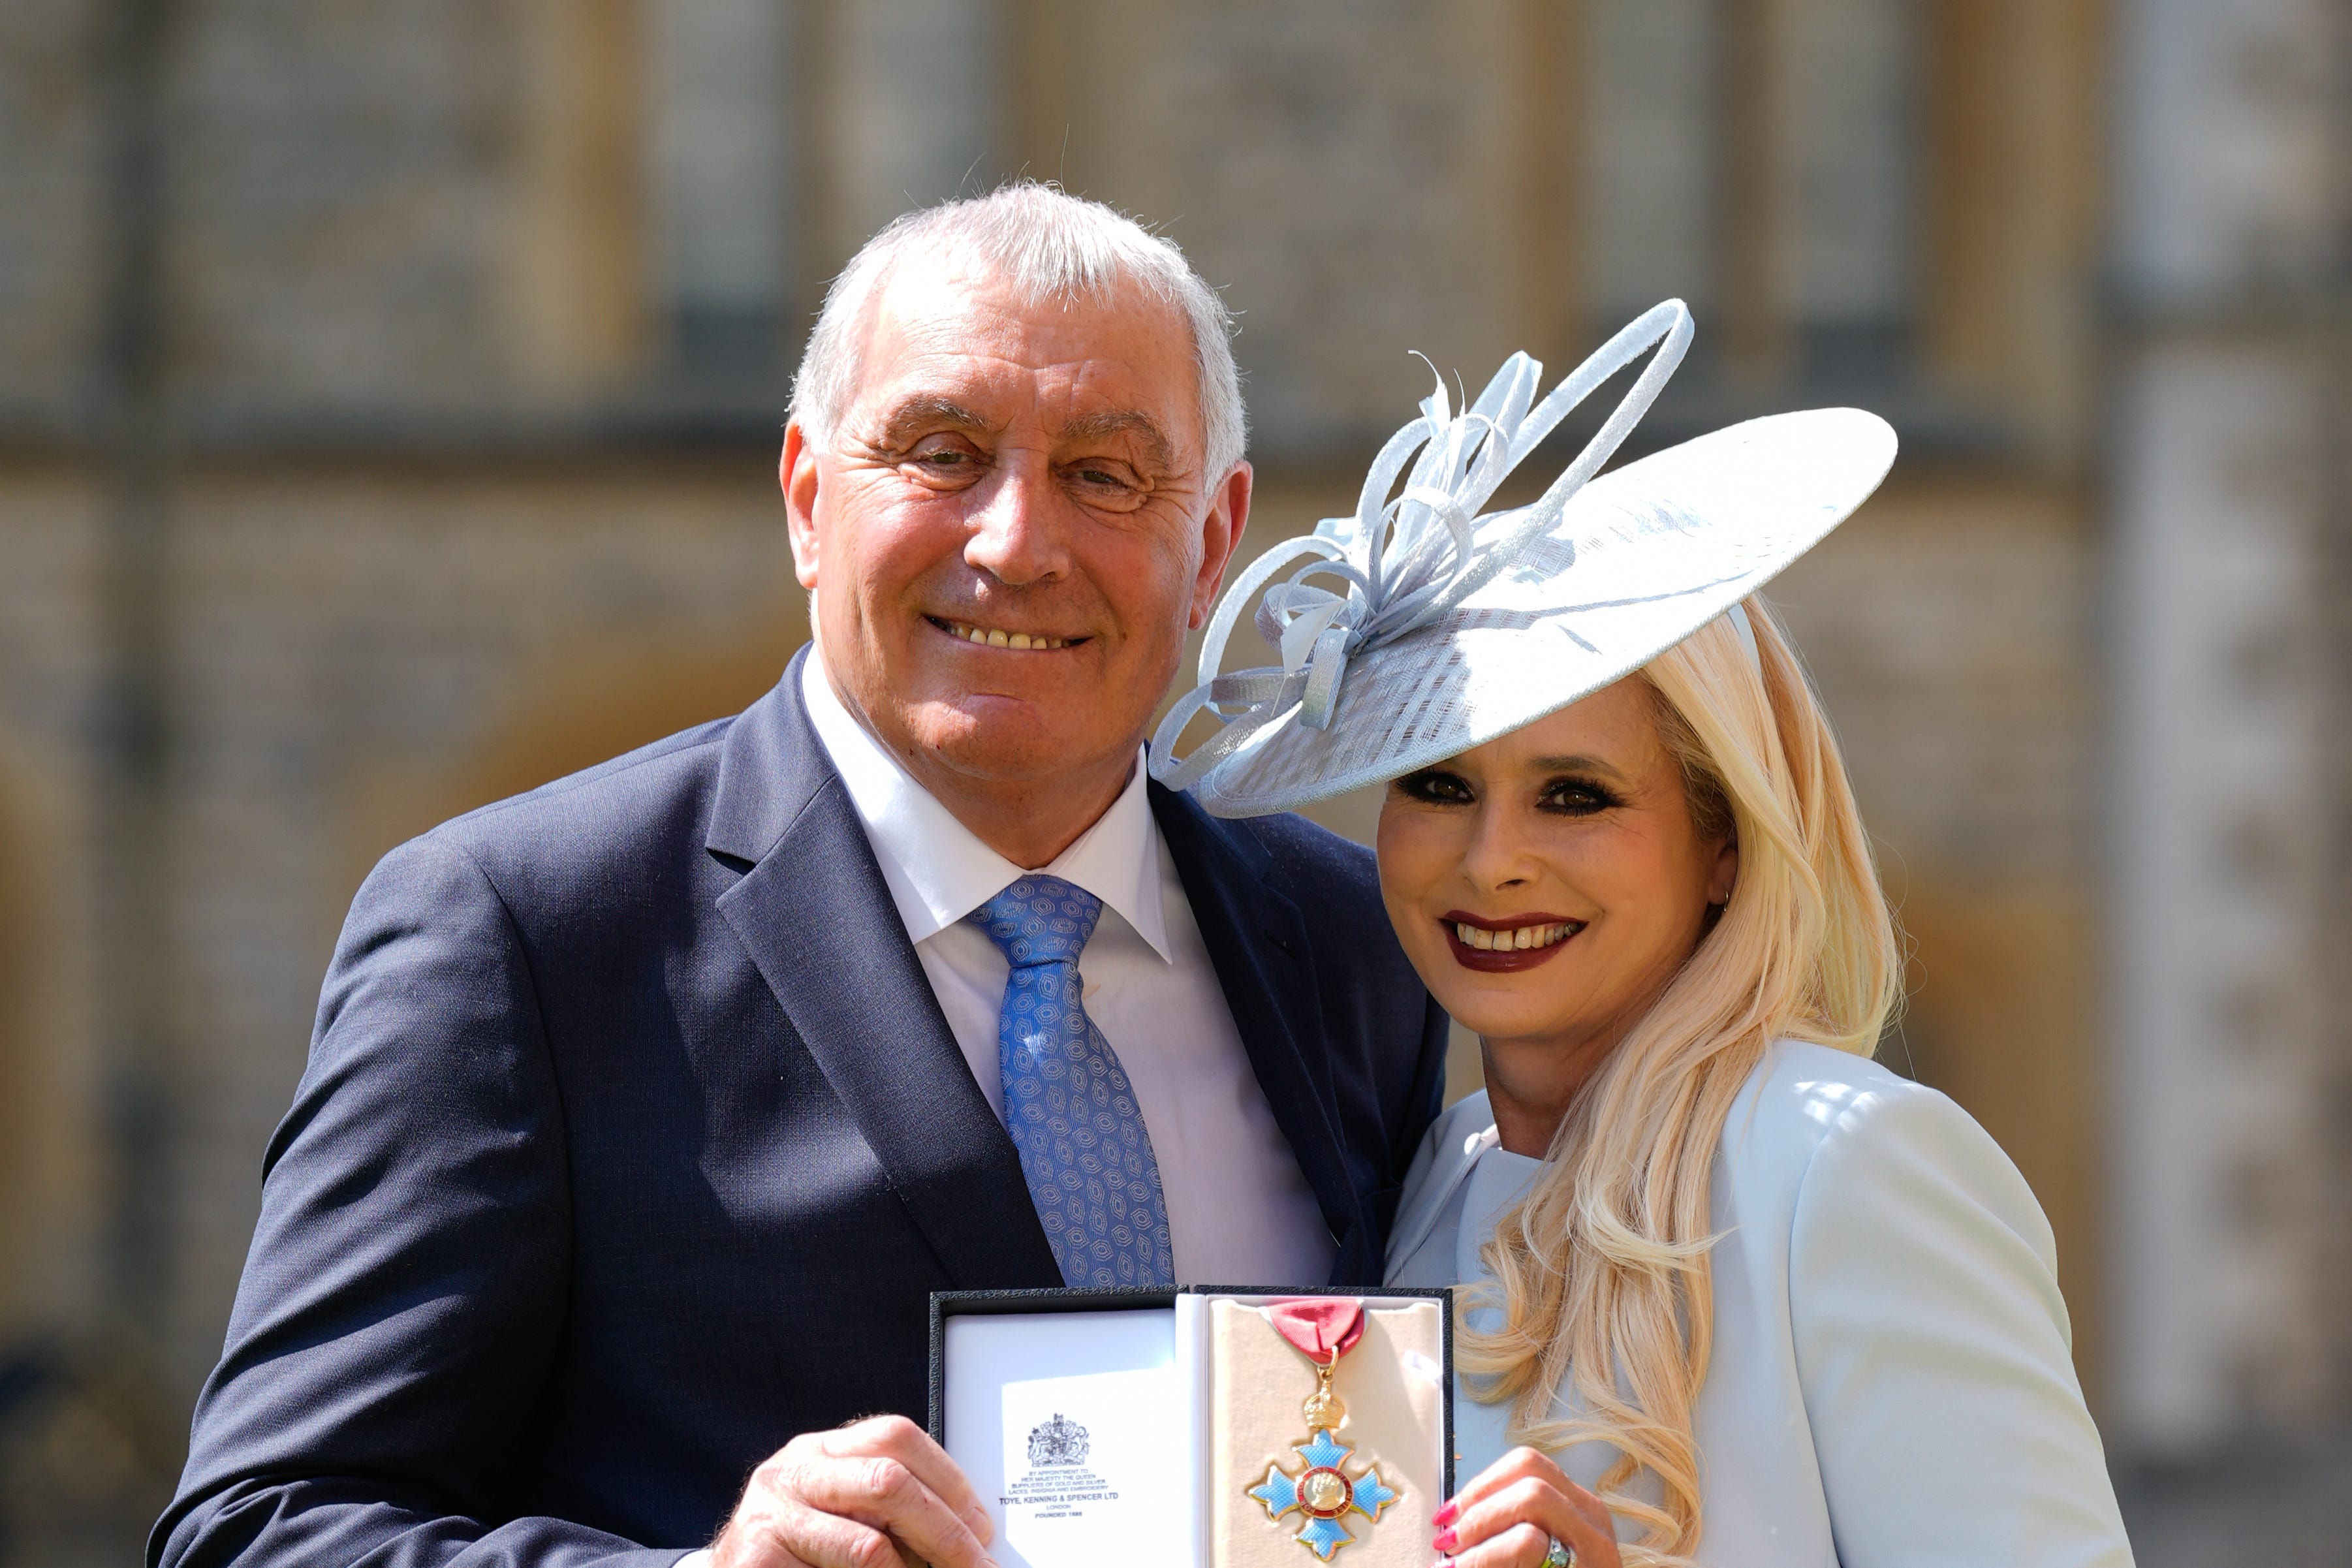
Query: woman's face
x,y
1547,885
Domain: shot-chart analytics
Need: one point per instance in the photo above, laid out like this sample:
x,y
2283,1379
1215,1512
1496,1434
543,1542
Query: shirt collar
x,y
938,869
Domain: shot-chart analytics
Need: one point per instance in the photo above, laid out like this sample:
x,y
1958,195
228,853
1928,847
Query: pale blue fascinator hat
x,y
1418,628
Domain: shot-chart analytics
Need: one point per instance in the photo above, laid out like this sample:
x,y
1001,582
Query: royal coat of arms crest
x,y
1060,1441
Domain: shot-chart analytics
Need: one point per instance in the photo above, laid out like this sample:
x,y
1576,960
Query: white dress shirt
x,y
1239,1209
1890,1384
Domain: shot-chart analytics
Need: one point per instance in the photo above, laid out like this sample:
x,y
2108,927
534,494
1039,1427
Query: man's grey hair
x,y
1052,247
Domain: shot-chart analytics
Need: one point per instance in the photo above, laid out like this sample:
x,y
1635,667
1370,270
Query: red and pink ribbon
x,y
1323,1328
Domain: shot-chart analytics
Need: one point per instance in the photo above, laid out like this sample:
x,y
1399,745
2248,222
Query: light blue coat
x,y
1891,1385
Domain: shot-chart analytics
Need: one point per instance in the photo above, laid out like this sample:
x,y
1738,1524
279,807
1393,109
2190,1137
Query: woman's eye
x,y
1436,789
1572,799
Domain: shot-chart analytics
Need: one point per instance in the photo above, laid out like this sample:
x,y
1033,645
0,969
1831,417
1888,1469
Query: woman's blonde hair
x,y
1602,1267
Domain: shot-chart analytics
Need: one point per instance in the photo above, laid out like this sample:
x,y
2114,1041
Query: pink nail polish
x,y
1445,1542
1444,1516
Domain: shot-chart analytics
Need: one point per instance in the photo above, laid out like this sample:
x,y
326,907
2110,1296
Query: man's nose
x,y
1016,534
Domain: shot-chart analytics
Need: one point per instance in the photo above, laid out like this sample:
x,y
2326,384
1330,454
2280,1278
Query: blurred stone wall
x,y
2231,1103
428,455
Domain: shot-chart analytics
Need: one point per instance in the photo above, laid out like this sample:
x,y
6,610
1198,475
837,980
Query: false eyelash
x,y
1420,785
1596,798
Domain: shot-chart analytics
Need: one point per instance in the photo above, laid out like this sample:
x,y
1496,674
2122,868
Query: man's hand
x,y
877,1493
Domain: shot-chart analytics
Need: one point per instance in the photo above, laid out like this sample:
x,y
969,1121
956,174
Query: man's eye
x,y
1103,487
943,458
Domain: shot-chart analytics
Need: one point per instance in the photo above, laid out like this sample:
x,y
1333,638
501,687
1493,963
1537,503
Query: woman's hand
x,y
1511,1514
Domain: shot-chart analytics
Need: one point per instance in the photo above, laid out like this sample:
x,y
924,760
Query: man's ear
x,y
796,474
1220,535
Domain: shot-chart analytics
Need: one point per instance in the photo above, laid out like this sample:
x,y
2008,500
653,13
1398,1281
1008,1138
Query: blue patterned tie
x,y
1072,1113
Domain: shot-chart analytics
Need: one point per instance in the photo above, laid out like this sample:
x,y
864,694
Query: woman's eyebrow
x,y
1576,764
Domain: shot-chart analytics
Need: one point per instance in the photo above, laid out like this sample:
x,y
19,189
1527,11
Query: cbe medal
x,y
1322,1329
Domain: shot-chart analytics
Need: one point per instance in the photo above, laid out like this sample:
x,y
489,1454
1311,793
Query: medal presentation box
x,y
1202,1428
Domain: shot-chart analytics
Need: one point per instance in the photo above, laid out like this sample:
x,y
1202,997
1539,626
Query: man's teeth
x,y
1516,939
992,637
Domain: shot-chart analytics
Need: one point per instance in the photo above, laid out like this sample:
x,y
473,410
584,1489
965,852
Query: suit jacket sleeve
x,y
405,1295
1932,1348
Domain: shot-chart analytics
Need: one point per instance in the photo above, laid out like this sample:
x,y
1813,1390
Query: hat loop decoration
x,y
1398,564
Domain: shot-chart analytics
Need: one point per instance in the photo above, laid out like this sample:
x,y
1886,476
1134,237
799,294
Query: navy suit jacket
x,y
633,1143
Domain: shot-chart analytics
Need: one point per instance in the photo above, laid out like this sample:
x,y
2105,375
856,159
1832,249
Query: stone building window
x,y
1764,162
1655,148
720,208
1855,154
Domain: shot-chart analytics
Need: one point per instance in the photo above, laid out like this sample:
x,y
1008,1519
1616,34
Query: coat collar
x,y
821,926
938,869
1450,1150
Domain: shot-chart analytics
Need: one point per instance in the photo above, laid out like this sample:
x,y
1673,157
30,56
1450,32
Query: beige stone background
x,y
389,396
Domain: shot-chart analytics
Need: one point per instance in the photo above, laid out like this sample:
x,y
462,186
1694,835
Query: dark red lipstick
x,y
1559,929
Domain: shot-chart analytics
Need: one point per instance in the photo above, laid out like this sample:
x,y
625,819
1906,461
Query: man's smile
x,y
1004,638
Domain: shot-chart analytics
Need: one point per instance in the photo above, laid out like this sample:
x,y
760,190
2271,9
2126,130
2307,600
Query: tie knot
x,y
1039,919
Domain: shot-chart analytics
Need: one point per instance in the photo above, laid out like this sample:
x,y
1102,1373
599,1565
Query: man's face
x,y
1010,532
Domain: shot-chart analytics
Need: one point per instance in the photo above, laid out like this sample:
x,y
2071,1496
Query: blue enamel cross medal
x,y
1323,1489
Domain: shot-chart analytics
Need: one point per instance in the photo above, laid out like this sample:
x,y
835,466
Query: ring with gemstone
x,y
1562,1555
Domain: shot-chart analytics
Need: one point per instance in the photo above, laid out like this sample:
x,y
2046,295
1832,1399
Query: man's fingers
x,y
896,1437
754,1543
881,1492
863,1495
825,1540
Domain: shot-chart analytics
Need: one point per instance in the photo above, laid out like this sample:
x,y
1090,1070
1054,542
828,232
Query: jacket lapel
x,y
1257,944
820,924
